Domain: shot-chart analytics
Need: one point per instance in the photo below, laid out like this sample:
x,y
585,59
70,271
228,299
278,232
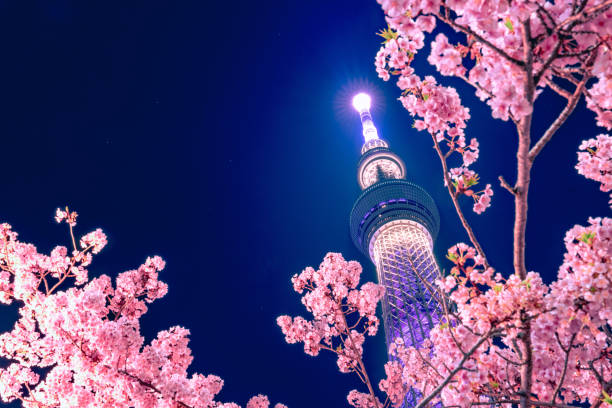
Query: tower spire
x,y
377,161
362,103
395,222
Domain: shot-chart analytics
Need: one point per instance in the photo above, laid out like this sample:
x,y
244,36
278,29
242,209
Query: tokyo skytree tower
x,y
395,222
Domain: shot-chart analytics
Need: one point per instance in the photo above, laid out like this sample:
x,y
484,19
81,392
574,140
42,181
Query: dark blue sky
x,y
219,136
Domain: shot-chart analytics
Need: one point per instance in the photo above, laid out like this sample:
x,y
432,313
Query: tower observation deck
x,y
394,222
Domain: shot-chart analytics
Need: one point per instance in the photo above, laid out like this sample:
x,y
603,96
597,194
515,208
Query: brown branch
x,y
542,10
72,236
567,353
360,362
560,120
72,263
607,388
507,360
443,303
507,186
584,13
434,291
479,38
560,91
572,21
567,74
520,207
464,222
586,51
450,376
150,386
554,54
531,402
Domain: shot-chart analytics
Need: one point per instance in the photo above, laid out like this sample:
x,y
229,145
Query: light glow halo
x,y
362,102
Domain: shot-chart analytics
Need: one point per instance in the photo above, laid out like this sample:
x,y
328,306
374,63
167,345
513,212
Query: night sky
x,y
220,136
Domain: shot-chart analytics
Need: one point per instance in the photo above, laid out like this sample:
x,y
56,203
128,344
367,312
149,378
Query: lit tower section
x,y
395,222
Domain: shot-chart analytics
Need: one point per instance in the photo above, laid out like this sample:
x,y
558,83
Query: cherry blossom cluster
x,y
80,346
476,355
595,161
509,52
342,314
566,40
96,240
476,350
598,97
580,304
67,216
482,199
261,401
395,385
440,107
362,400
463,179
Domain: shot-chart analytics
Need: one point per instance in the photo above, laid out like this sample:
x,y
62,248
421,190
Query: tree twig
x,y
567,353
560,120
464,222
584,13
479,38
507,186
450,376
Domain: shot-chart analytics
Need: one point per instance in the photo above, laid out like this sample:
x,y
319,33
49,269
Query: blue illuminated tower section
x,y
395,222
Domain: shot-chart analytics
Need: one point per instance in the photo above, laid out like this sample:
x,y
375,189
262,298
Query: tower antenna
x,y
394,222
362,103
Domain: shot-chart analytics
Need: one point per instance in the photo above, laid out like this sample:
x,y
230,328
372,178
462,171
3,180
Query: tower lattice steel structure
x,y
395,222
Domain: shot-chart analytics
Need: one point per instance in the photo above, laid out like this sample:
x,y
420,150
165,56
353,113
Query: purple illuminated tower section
x,y
395,222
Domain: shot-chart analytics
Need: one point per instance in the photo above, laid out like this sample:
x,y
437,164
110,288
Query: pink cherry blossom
x,y
362,400
95,239
508,67
342,316
68,216
261,401
88,337
595,162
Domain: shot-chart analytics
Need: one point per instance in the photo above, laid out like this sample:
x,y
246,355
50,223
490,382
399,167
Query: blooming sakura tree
x,y
80,345
342,316
503,340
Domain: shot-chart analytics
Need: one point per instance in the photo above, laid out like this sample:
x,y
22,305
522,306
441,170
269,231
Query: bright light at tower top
x,y
362,102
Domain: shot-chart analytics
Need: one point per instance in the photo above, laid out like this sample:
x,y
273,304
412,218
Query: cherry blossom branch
x,y
464,222
568,75
72,236
484,90
585,13
523,163
531,402
151,387
560,91
475,85
555,52
485,42
452,374
33,400
560,120
507,360
443,302
607,388
360,362
520,204
553,55
507,186
567,353
67,274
